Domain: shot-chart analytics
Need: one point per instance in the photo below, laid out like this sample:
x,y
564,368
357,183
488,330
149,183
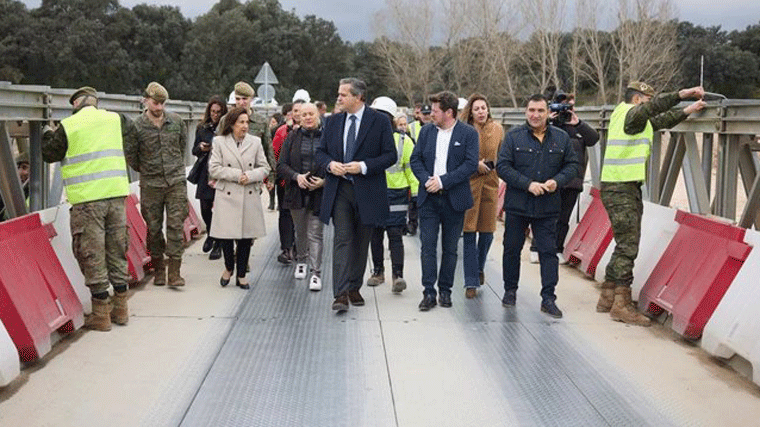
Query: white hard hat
x,y
383,103
231,99
301,94
462,103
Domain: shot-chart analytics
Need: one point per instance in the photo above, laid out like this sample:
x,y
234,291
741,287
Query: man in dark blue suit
x,y
356,148
444,158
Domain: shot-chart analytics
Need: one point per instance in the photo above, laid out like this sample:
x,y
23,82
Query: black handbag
x,y
196,171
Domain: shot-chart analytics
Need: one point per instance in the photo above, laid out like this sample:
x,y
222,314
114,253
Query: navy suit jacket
x,y
375,147
461,163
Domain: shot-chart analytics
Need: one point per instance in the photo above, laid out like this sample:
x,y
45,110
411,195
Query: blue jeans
x,y
475,254
545,237
436,213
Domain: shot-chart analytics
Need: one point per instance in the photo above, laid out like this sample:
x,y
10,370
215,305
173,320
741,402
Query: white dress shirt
x,y
359,114
442,141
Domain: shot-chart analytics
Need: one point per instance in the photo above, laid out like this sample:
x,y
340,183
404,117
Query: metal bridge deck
x,y
290,361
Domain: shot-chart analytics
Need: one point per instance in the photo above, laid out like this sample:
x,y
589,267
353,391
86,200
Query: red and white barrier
x,y
734,327
9,364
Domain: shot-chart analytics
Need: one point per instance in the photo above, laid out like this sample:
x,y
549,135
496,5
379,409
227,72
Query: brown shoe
x,y
100,319
399,284
377,278
482,278
355,297
341,303
470,293
174,278
623,309
120,312
159,271
606,297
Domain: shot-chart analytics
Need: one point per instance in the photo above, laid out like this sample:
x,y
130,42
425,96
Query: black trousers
x,y
395,245
285,222
239,257
350,243
206,206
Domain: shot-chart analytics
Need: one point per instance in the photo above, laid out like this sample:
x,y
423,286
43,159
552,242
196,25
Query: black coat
x,y
205,132
581,136
524,159
291,164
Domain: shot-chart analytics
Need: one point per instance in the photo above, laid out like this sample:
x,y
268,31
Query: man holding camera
x,y
535,160
562,115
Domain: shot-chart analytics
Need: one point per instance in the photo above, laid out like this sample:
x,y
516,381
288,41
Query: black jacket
x,y
524,159
291,164
205,132
581,136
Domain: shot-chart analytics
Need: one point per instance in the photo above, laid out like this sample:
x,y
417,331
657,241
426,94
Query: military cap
x,y
641,87
82,91
243,89
157,92
22,158
426,109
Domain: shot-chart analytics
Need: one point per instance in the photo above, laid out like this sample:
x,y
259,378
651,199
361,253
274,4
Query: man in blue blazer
x,y
355,149
444,158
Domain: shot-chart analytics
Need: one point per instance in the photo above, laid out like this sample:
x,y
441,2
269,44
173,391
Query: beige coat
x,y
485,188
238,213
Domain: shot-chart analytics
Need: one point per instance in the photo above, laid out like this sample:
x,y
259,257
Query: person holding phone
x,y
480,220
297,167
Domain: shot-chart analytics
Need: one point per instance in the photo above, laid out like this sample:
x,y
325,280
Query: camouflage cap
x,y
243,89
82,91
641,87
157,92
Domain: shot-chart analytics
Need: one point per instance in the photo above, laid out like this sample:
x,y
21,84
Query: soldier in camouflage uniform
x,y
89,146
157,150
257,126
631,129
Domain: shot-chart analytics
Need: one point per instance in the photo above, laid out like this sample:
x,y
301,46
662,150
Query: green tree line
x,y
70,43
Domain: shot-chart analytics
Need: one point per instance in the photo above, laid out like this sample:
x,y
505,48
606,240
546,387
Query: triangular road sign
x,y
266,75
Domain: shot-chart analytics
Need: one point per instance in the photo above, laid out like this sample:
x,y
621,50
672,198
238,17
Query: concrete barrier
x,y
9,363
734,327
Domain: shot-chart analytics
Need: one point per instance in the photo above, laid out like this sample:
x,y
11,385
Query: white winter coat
x,y
238,213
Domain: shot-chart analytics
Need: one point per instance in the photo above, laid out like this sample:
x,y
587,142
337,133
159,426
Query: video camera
x,y
562,108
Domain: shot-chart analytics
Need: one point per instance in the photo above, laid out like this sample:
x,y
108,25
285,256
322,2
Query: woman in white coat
x,y
239,166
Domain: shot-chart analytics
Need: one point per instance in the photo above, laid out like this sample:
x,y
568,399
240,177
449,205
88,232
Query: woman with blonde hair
x,y
484,184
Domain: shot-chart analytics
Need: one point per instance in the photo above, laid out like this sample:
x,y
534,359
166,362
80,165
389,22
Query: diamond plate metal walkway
x,y
290,361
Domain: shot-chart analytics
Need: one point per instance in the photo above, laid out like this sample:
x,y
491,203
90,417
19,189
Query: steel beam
x,y
674,160
707,159
696,187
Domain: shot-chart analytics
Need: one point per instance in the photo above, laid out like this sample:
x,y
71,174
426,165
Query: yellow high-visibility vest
x,y
400,174
94,167
626,155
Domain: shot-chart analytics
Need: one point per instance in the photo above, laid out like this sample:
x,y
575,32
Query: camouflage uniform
x,y
159,156
623,200
99,236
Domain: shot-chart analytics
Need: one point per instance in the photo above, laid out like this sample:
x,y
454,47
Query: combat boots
x,y
623,309
174,278
100,319
159,271
606,298
120,313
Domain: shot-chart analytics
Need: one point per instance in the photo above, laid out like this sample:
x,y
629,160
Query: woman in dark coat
x,y
204,134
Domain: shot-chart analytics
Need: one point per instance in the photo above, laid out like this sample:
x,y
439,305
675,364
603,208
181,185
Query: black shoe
x,y
208,244
444,300
550,308
412,229
510,297
428,302
284,257
341,303
224,282
216,252
242,285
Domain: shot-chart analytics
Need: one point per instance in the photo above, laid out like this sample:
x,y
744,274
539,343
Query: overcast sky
x,y
353,22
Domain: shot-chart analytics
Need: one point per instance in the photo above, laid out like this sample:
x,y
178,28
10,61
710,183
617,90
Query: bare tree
x,y
544,19
645,43
406,33
593,55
